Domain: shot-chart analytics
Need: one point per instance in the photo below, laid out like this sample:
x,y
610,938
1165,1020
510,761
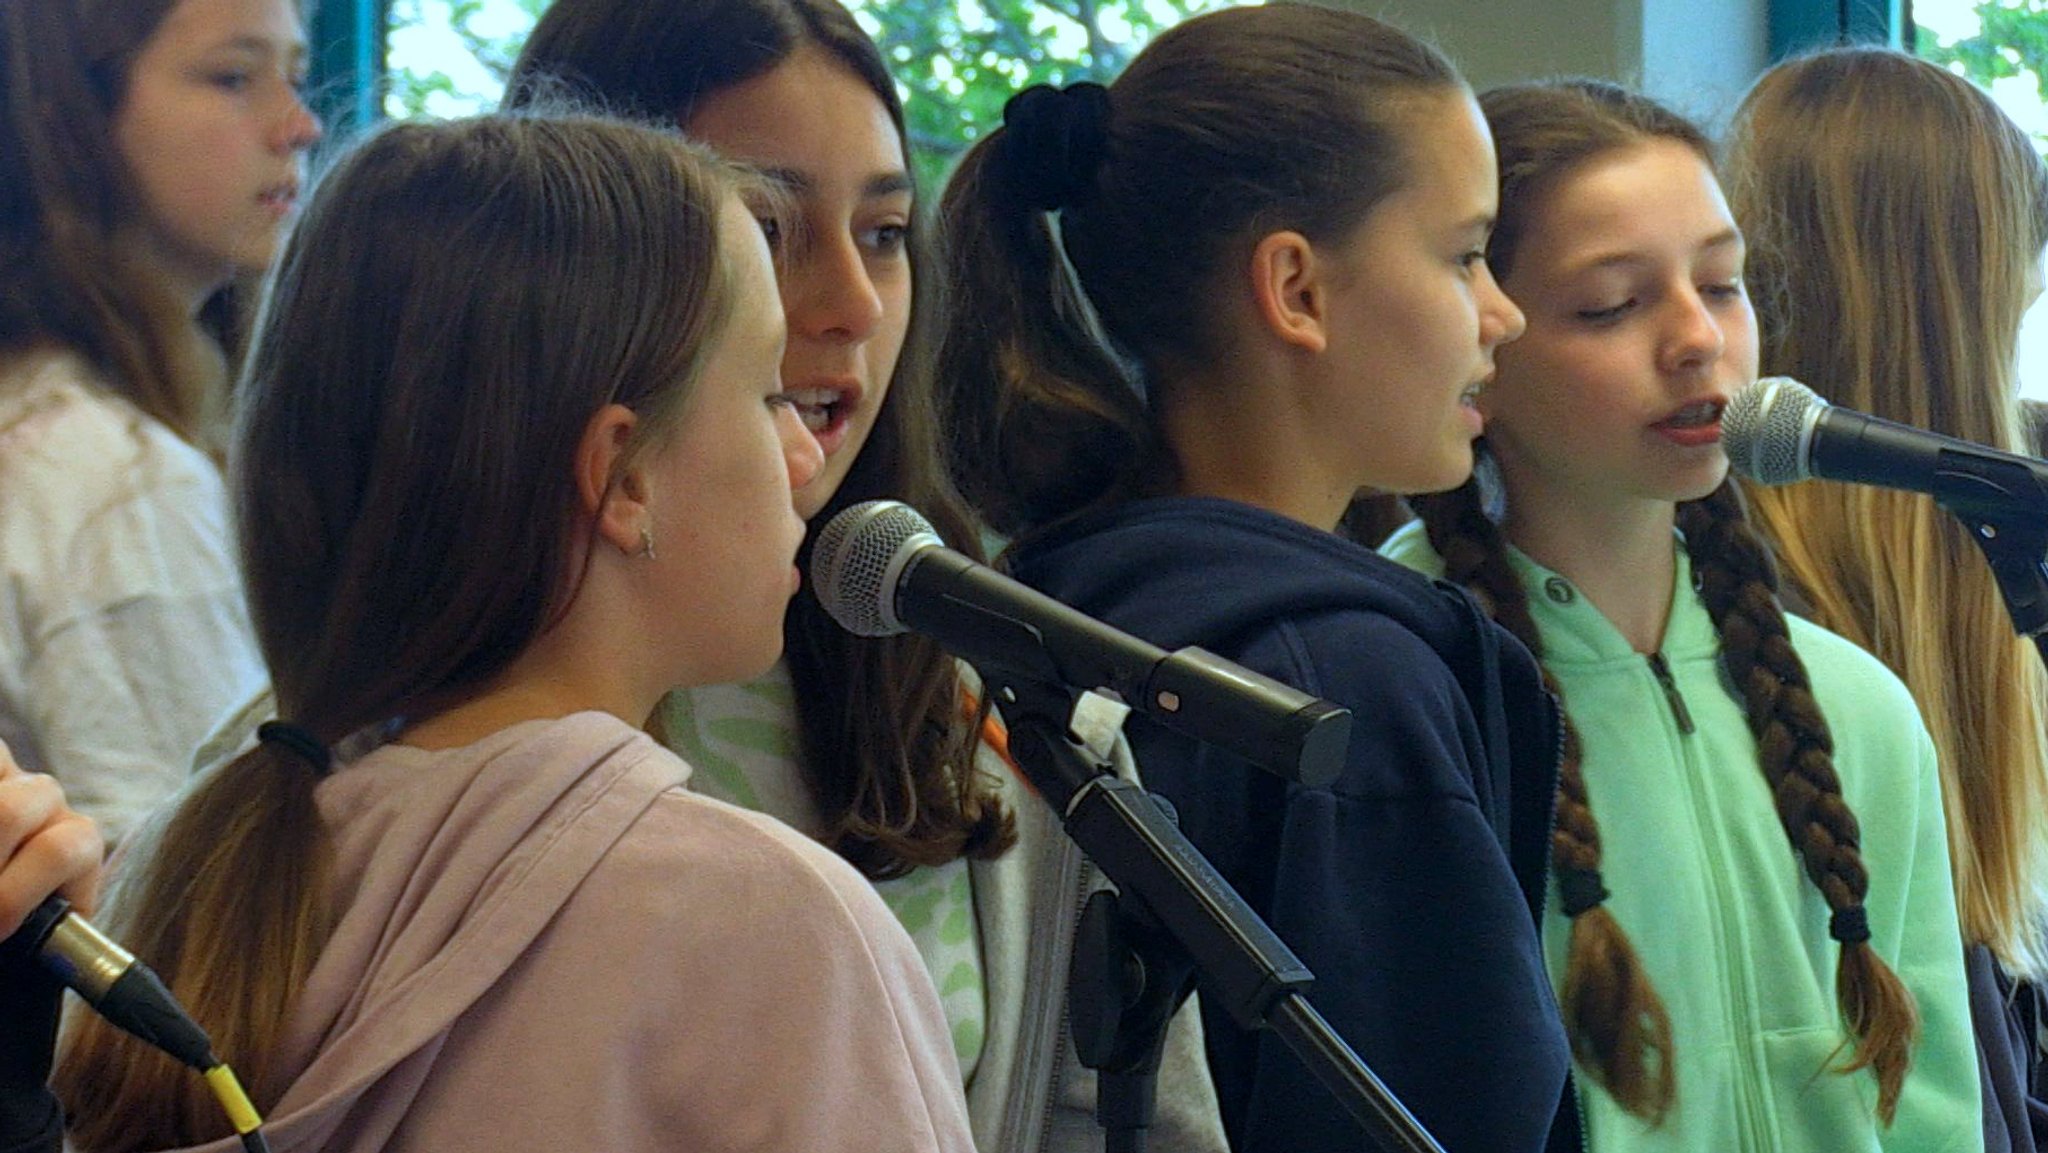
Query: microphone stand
x,y
2003,503
2017,547
1173,915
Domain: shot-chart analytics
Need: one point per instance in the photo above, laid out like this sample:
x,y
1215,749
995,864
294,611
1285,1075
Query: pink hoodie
x,y
545,943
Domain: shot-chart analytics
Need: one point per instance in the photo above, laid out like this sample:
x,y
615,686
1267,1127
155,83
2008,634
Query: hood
x,y
1204,571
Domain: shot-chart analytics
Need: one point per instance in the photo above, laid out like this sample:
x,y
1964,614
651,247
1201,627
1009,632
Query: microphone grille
x,y
859,558
1768,428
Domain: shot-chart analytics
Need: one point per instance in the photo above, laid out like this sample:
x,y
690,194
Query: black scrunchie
x,y
1053,140
297,740
1850,926
1580,890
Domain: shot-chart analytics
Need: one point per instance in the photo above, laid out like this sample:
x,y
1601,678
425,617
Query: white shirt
x,y
124,635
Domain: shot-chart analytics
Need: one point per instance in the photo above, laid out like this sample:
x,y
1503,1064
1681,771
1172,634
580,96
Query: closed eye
x,y
1604,315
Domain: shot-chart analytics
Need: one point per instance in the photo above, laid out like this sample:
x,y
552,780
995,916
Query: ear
x,y
1289,290
614,497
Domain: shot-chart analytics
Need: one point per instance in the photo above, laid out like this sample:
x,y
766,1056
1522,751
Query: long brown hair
x,y
888,754
1228,126
487,285
1894,214
70,272
1619,1029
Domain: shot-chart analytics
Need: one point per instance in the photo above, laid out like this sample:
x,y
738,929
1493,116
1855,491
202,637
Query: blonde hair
x,y
1893,215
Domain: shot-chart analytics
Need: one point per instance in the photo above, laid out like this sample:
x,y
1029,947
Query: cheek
x,y
887,345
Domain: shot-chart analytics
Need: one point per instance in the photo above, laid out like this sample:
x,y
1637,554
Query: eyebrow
x,y
262,46
1723,239
874,188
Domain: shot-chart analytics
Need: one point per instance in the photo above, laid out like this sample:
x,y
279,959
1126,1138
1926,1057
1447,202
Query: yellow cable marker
x,y
241,1112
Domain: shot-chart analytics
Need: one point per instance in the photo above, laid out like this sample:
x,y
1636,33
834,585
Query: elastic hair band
x,y
1850,926
295,739
1581,890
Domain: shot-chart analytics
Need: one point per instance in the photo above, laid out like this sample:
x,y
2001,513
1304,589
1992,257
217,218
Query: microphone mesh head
x,y
1768,428
858,560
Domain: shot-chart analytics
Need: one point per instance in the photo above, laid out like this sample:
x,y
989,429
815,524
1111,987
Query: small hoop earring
x,y
647,541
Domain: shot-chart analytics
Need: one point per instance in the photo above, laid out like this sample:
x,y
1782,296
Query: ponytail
x,y
246,847
1046,420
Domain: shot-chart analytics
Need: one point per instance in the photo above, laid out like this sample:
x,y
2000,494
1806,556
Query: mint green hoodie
x,y
1707,885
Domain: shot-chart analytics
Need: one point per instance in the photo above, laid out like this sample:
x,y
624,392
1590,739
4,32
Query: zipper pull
x,y
1679,712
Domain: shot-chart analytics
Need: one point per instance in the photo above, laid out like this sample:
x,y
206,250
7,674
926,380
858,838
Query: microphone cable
x,y
131,997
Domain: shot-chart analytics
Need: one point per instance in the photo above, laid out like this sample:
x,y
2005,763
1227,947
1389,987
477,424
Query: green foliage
x,y
2013,42
489,31
955,61
958,61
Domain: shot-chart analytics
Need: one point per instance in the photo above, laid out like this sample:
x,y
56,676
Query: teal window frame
x,y
1801,25
346,73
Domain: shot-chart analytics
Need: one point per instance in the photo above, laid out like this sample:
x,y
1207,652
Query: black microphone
x,y
1778,431
879,568
118,987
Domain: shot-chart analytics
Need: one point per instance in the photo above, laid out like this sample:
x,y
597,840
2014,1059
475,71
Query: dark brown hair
x,y
888,754
1227,127
458,301
1618,1026
70,274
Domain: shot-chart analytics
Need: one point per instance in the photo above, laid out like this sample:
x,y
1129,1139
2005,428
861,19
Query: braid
x,y
1739,583
1619,1030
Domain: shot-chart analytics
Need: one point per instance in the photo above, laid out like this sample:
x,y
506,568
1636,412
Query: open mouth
x,y
1700,415
822,410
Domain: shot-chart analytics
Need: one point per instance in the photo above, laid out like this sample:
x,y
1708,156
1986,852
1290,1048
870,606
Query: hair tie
x,y
1580,890
292,737
1052,144
1850,926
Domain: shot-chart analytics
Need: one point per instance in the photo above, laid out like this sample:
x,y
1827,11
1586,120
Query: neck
x,y
559,674
1619,553
1236,433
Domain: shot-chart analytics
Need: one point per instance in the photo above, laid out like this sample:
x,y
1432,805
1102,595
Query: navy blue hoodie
x,y
1410,885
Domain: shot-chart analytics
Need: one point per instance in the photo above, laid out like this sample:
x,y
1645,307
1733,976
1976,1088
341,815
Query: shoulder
x,y
1844,673
71,450
731,873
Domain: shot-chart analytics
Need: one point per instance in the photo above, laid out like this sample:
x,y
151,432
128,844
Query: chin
x,y
1452,470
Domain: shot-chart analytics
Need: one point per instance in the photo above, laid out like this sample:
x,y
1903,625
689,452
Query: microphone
x,y
1778,431
118,987
879,568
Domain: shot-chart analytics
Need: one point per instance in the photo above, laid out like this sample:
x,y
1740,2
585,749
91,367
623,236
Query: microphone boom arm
x,y
1173,913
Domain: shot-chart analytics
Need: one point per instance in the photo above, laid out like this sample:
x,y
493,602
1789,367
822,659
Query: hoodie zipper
x,y
1662,671
1077,902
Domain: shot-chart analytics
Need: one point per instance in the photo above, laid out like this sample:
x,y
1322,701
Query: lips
x,y
826,407
279,198
1693,425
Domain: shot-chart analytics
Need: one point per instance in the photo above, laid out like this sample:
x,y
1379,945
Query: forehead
x,y
1653,198
1450,178
204,24
810,115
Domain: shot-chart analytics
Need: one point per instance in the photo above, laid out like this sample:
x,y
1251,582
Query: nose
x,y
1694,338
800,451
829,294
299,127
1500,319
